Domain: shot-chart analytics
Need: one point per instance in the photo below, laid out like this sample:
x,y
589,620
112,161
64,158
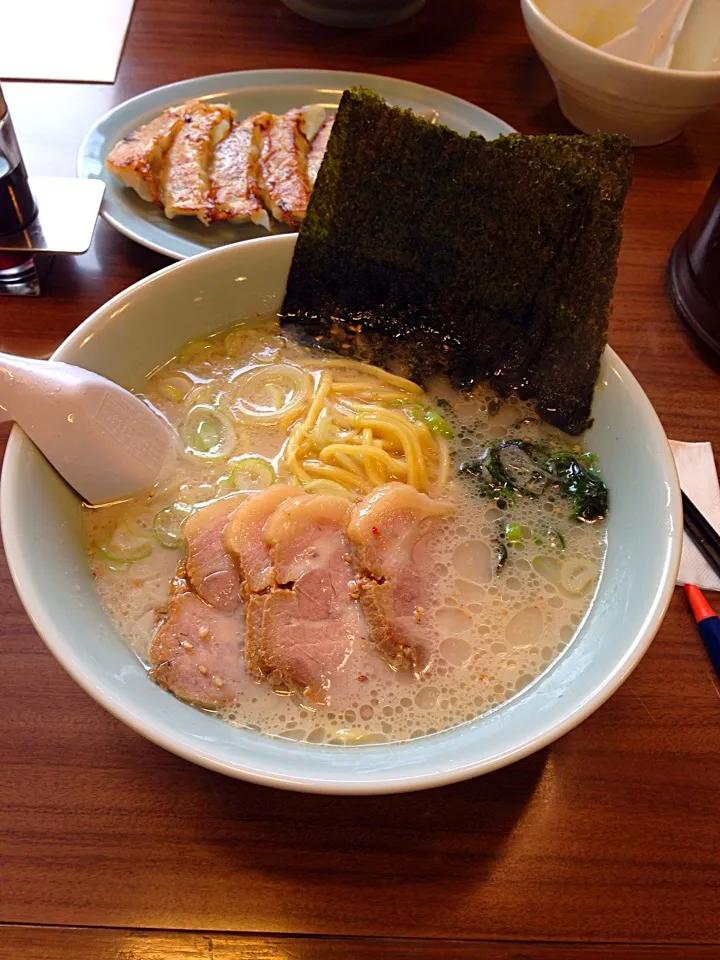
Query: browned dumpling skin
x,y
184,179
284,181
235,174
137,159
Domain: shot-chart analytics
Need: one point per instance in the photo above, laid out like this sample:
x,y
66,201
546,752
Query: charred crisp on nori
x,y
488,259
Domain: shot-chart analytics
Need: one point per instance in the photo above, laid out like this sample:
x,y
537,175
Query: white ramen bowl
x,y
43,533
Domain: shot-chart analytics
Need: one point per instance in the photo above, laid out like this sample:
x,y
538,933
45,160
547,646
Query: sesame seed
x,y
203,632
218,682
186,645
203,669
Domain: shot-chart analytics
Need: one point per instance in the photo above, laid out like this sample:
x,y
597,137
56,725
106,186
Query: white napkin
x,y
698,478
76,40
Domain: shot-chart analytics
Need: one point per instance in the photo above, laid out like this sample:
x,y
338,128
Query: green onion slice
x,y
252,473
168,524
208,433
438,424
117,553
324,432
577,575
513,532
417,413
174,389
271,392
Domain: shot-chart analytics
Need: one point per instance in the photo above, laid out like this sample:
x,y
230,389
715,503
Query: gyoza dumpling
x,y
234,173
184,179
284,181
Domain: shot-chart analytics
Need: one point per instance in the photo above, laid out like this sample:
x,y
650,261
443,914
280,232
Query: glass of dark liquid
x,y
17,204
694,270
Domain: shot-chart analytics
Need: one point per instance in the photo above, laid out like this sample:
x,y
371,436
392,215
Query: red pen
x,y
708,623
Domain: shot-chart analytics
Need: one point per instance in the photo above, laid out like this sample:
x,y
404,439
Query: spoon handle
x,y
104,441
653,33
23,382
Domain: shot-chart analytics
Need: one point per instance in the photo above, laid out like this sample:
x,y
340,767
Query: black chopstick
x,y
704,536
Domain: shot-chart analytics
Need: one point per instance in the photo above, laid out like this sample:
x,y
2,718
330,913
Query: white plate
x,y
247,91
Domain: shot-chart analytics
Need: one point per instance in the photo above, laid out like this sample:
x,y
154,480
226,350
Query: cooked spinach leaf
x,y
509,468
581,482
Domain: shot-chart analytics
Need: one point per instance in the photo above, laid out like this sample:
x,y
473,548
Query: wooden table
x,y
112,848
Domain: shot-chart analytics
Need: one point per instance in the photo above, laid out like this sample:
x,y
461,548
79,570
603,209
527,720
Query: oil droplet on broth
x,y
473,561
524,627
427,697
293,734
453,620
549,568
467,592
455,650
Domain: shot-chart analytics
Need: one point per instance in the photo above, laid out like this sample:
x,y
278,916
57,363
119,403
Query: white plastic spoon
x,y
652,39
104,441
698,46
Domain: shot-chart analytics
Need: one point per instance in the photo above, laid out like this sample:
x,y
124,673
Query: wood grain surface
x,y
605,845
47,943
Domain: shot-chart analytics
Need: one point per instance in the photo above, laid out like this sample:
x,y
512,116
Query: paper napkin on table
x,y
75,40
698,478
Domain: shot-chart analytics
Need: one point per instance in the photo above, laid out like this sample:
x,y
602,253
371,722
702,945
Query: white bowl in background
x,y
42,528
599,92
355,13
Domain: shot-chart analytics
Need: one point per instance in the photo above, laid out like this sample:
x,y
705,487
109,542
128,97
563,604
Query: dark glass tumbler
x,y
694,270
17,204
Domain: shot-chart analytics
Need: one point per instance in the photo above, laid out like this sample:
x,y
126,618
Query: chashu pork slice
x,y
234,174
245,540
211,569
392,532
311,621
184,178
198,652
137,159
284,182
244,535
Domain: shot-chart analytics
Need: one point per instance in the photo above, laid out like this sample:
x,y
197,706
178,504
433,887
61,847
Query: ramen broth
x,y
494,629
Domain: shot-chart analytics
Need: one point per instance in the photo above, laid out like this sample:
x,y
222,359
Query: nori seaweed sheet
x,y
424,250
